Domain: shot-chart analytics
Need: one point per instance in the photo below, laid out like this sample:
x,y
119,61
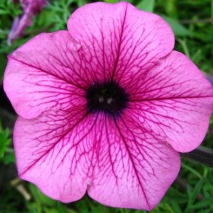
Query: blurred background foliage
x,y
192,192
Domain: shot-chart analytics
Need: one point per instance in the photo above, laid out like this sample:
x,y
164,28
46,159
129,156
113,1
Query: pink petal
x,y
119,164
46,72
118,37
173,101
53,152
133,170
124,162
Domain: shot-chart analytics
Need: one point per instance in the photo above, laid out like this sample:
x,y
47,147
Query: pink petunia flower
x,y
106,107
30,8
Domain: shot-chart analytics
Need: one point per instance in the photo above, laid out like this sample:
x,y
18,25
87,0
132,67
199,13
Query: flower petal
x,y
119,165
133,169
173,101
54,150
44,73
118,37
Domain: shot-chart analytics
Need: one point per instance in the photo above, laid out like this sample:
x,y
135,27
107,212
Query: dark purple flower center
x,y
107,97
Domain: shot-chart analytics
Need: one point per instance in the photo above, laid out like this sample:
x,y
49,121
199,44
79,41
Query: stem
x,y
204,21
201,154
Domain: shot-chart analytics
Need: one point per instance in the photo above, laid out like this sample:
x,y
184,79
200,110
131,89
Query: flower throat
x,y
107,97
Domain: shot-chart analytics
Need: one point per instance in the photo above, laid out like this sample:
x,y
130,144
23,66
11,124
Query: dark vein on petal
x,y
54,145
119,45
169,98
51,74
132,161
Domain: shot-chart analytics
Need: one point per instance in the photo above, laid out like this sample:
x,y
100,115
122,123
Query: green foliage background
x,y
192,192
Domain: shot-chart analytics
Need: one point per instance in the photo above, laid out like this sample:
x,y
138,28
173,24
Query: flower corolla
x,y
105,107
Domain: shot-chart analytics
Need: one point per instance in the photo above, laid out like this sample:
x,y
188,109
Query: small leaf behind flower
x,y
177,27
146,5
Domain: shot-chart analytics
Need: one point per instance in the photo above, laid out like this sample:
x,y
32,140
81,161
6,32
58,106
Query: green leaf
x,y
193,193
196,190
130,1
202,204
81,2
4,141
171,8
146,5
111,1
176,207
9,158
3,12
177,27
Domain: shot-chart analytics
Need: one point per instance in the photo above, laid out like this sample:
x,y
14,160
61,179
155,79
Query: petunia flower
x,y
30,8
106,107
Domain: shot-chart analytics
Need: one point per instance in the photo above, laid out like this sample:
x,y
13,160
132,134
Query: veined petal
x,y
54,151
118,164
68,142
172,101
133,169
43,73
119,37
